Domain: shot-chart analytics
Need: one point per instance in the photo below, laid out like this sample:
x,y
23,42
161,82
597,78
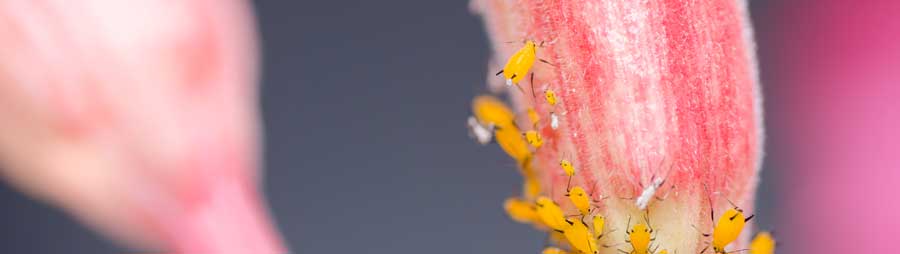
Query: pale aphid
x,y
550,213
554,121
644,199
480,133
763,243
534,139
580,237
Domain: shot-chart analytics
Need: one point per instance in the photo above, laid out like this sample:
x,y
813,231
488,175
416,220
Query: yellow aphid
x,y
663,252
580,199
510,140
727,230
579,237
492,111
763,243
554,250
567,167
599,222
534,138
520,211
533,116
640,238
551,97
519,64
550,213
531,188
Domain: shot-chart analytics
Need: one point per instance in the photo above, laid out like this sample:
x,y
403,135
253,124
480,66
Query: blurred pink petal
x,y
842,122
137,116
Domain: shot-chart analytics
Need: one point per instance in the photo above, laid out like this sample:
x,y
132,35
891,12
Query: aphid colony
x,y
495,122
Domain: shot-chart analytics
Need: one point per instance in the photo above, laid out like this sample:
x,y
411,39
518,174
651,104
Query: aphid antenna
x,y
608,246
712,212
533,96
735,251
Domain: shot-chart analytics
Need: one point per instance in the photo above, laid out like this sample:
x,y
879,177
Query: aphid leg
x,y
498,73
622,251
534,97
737,250
704,249
547,62
749,218
698,231
654,249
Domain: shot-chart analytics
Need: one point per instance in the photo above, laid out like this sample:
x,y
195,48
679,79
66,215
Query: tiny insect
x,y
550,213
763,243
482,134
599,222
520,210
490,110
640,237
534,139
727,229
644,199
533,117
519,64
554,121
511,141
580,199
568,169
550,96
531,188
579,237
554,250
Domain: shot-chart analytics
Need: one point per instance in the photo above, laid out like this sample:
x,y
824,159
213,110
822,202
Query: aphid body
x,y
639,237
728,228
580,199
580,237
763,243
520,63
550,213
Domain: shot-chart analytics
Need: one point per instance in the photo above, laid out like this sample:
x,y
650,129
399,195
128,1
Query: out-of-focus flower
x,y
139,117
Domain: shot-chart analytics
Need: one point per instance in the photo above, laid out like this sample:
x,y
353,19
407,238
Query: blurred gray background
x,y
366,150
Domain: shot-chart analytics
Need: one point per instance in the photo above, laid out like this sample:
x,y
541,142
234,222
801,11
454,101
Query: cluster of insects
x,y
494,122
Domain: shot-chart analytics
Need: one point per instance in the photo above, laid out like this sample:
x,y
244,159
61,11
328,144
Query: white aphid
x,y
482,134
644,199
554,121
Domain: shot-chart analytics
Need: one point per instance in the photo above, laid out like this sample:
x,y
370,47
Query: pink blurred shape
x,y
841,72
139,117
